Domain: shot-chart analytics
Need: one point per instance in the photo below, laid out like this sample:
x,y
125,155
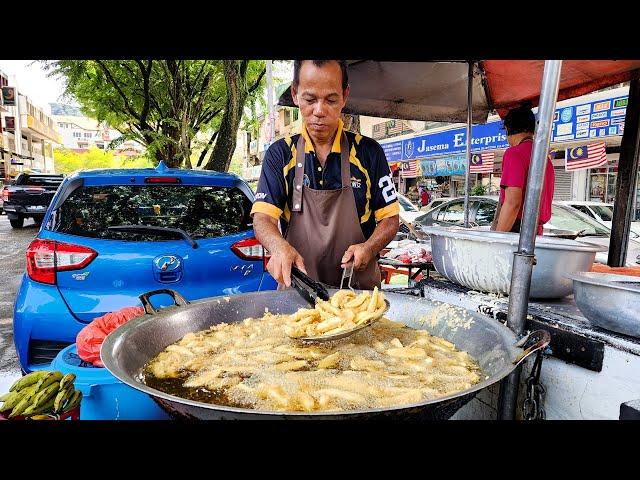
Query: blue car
x,y
111,235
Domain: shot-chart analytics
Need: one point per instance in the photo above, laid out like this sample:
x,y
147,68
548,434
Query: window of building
x,y
602,186
287,117
77,134
87,135
295,114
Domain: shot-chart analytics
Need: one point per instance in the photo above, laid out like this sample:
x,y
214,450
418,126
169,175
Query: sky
x,y
33,82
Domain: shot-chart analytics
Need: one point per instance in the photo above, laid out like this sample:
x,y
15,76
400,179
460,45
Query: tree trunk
x,y
220,159
172,158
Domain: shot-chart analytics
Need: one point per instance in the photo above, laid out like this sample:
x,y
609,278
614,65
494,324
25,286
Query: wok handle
x,y
178,299
532,343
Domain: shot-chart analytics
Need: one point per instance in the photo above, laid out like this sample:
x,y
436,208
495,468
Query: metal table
x,y
419,268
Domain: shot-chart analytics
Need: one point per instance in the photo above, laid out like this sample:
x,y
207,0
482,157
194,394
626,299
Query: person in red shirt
x,y
520,123
424,197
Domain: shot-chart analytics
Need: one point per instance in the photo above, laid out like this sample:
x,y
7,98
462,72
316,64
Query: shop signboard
x,y
8,96
590,118
599,118
445,166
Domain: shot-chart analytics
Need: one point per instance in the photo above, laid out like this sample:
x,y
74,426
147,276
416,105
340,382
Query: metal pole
x,y
469,120
272,126
627,177
524,258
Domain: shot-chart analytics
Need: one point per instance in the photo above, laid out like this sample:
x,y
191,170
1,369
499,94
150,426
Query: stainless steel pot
x,y
482,260
127,349
609,301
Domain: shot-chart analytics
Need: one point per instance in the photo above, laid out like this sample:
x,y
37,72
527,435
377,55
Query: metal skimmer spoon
x,y
347,273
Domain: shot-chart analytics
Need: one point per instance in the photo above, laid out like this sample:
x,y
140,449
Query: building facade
x,y
287,121
80,133
27,133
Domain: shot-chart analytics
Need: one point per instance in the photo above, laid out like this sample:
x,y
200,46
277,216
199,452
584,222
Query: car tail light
x,y
5,194
162,180
250,249
34,189
46,257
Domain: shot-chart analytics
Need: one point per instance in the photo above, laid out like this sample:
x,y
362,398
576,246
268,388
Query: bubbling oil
x,y
253,364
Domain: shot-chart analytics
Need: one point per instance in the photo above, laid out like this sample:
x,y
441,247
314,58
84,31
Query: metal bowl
x,y
482,260
609,301
128,348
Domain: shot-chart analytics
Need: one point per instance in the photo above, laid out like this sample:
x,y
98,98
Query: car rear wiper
x,y
152,229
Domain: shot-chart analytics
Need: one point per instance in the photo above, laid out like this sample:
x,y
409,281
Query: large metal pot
x,y
609,301
482,260
128,348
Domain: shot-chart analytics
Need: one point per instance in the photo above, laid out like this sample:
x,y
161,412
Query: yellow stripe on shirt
x,y
388,211
267,209
353,159
335,148
287,167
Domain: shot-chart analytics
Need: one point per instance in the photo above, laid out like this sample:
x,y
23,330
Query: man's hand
x,y
279,265
360,253
283,255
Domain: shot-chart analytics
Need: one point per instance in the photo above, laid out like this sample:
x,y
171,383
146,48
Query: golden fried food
x,y
255,364
343,311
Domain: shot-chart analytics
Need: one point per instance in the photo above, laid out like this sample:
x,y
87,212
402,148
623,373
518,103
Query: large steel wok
x,y
128,348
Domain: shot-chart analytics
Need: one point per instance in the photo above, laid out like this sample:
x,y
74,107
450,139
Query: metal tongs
x,y
312,290
307,287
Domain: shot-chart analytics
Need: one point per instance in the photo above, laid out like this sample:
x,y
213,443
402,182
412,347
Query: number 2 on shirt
x,y
388,189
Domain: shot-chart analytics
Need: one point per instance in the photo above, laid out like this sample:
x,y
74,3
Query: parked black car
x,y
28,196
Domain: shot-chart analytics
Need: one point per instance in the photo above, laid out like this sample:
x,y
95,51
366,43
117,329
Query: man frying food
x,y
330,190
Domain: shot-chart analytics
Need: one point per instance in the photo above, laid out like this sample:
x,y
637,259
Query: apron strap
x,y
345,168
298,180
299,176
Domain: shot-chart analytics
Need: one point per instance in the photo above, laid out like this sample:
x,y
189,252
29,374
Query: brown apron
x,y
324,223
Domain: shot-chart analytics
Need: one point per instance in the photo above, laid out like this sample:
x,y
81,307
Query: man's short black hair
x,y
297,64
520,119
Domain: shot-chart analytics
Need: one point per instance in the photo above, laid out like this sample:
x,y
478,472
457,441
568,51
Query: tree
x,y
236,73
67,161
478,189
163,104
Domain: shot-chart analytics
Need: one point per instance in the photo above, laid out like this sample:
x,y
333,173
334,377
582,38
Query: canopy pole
x,y
524,258
627,175
469,120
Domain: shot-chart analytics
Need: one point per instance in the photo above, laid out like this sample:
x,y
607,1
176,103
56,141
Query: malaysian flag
x,y
482,162
410,169
394,126
585,156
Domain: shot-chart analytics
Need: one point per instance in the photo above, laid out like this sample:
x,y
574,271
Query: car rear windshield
x,y
40,181
201,211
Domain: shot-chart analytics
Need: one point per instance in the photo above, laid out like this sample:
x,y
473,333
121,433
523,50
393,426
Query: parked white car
x,y
408,211
600,212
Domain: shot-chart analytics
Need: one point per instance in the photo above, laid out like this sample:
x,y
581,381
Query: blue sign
x,y
443,167
483,137
590,118
588,122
